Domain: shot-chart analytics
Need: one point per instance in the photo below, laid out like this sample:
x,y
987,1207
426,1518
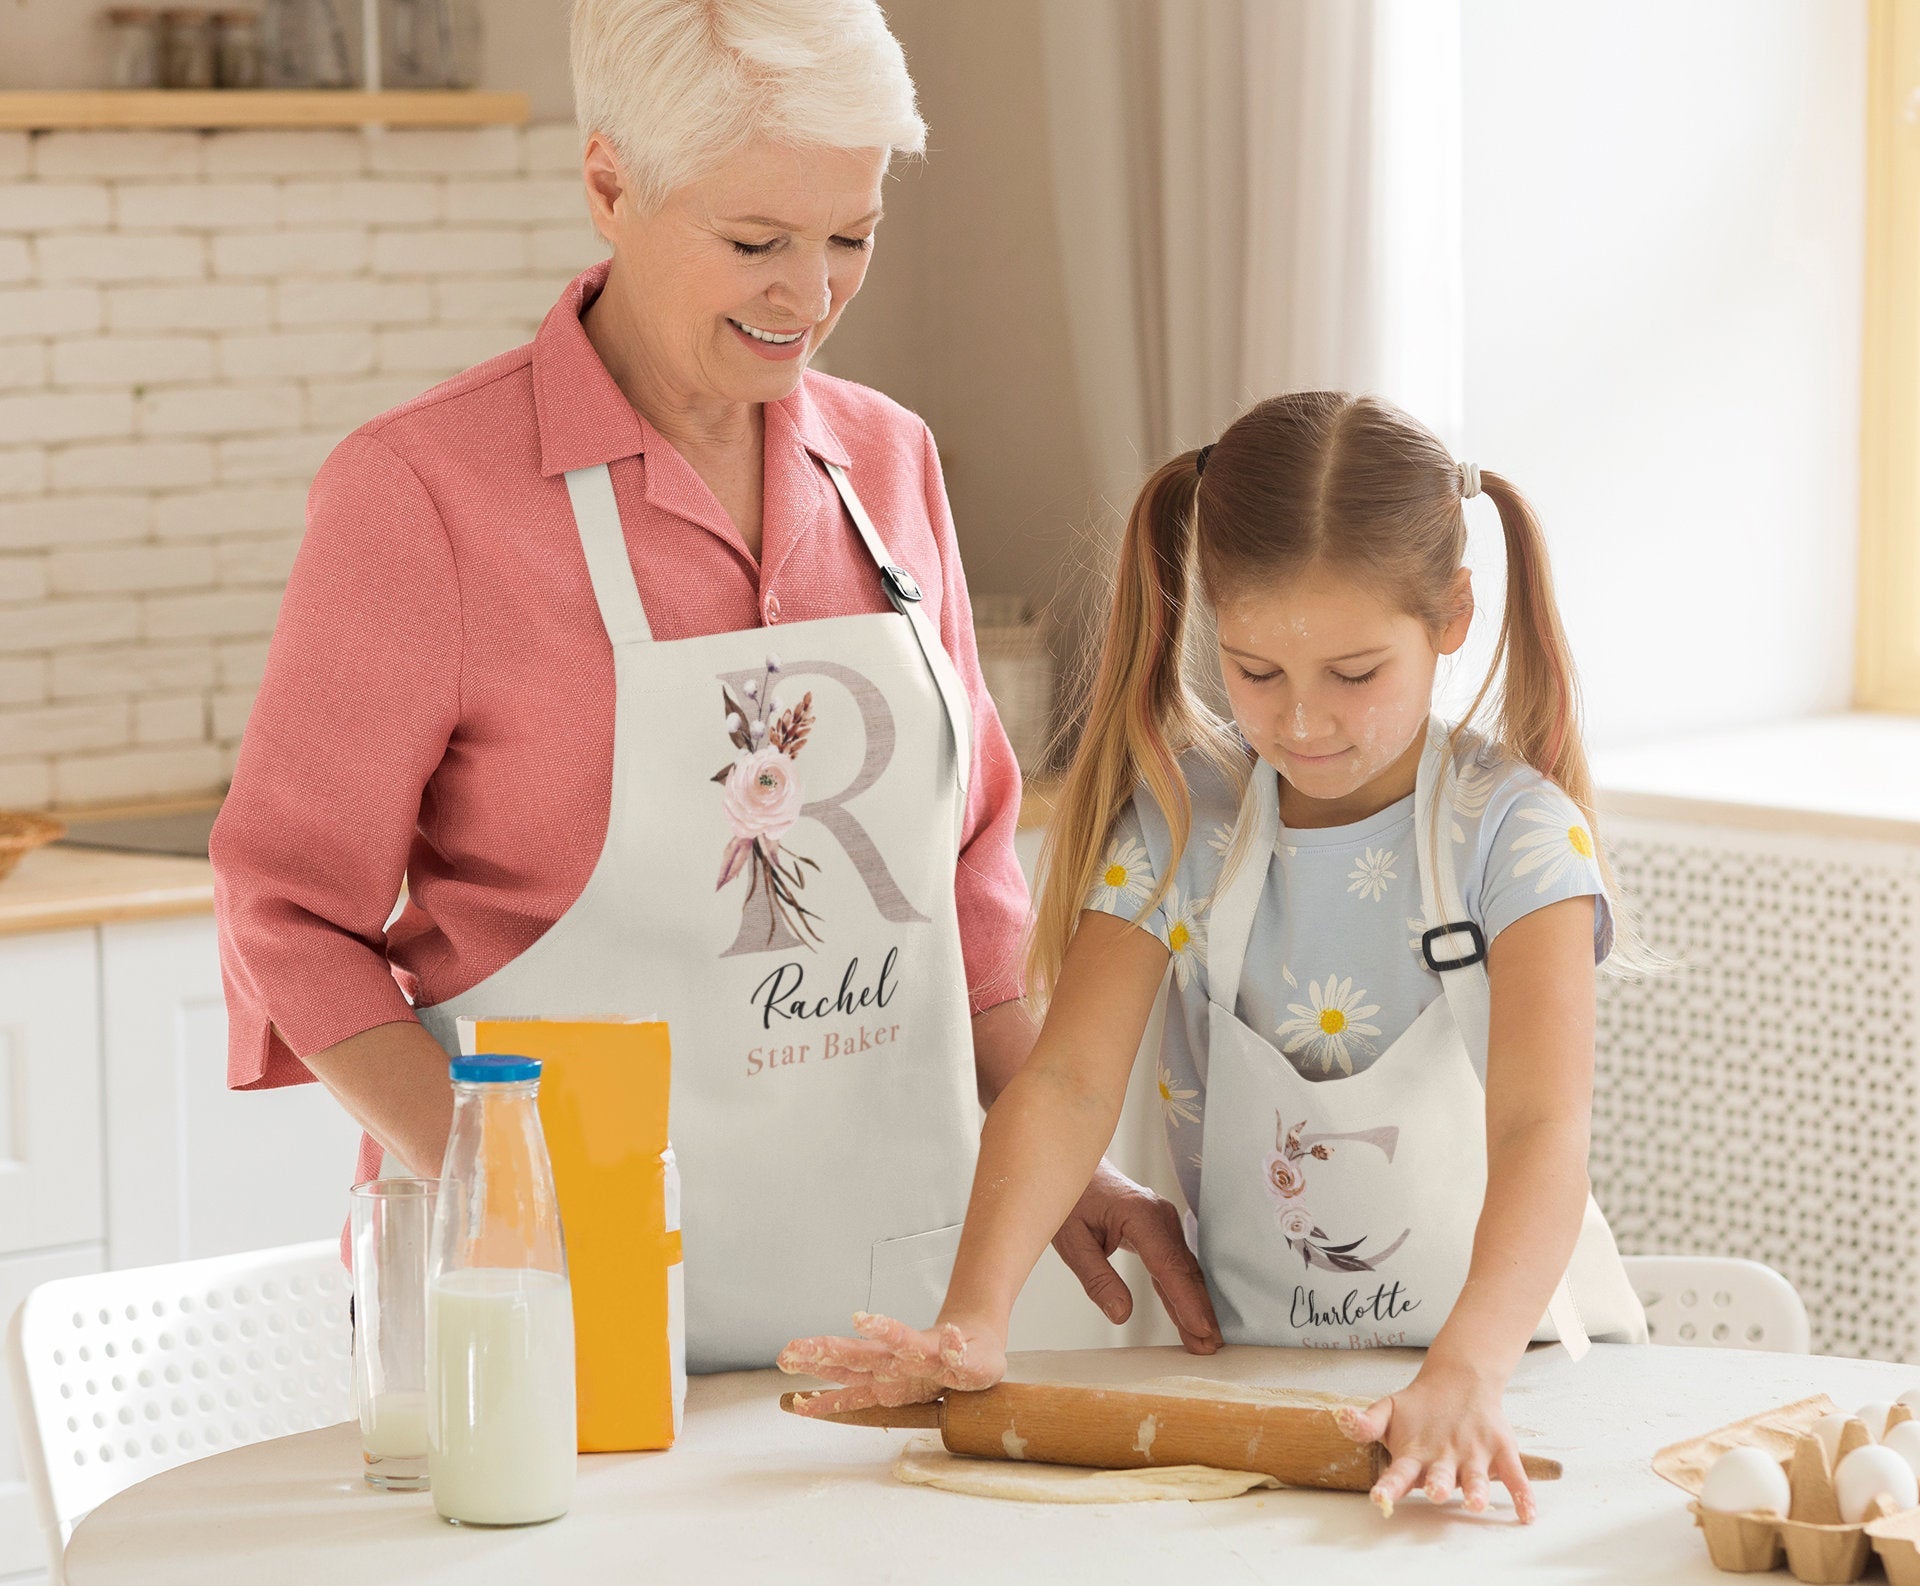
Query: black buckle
x,y
900,584
1440,933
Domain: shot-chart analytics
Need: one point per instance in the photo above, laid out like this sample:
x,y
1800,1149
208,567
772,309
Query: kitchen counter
x,y
58,888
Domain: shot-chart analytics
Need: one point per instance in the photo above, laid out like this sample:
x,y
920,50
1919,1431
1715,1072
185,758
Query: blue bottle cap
x,y
495,1068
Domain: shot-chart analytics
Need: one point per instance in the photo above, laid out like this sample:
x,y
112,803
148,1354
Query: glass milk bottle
x,y
500,1407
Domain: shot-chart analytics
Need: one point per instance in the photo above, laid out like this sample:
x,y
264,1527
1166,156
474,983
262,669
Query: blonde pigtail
x,y
1539,695
1140,716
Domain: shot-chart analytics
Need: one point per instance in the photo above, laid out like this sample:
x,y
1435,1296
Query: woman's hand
x,y
1446,1432
891,1363
1117,1214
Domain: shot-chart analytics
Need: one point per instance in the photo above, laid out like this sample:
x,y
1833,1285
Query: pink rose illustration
x,y
1296,1222
1283,1178
762,797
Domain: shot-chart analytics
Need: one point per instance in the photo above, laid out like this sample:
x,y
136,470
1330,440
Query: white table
x,y
753,1495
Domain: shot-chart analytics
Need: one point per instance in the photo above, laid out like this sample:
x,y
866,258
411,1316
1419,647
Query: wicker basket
x,y
21,833
1019,672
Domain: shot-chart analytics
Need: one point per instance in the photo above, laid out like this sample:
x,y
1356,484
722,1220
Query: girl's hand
x,y
1446,1431
891,1363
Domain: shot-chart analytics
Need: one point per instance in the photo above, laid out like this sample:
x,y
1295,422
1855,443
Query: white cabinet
x,y
120,1144
49,1090
194,1169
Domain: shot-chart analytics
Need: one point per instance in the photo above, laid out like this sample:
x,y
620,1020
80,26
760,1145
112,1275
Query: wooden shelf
x,y
280,107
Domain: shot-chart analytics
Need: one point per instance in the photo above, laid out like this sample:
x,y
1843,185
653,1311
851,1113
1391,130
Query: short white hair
x,y
678,86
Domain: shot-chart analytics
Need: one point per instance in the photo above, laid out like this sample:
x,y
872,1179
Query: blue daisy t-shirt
x,y
1334,974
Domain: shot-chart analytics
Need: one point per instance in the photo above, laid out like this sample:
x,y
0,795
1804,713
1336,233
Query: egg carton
x,y
1812,1540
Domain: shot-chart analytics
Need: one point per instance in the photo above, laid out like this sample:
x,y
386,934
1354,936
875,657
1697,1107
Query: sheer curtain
x,y
1254,196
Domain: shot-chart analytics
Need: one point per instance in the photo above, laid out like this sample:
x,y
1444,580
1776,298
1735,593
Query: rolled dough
x,y
925,1463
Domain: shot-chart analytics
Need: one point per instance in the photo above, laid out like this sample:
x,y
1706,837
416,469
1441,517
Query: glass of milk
x,y
392,1231
500,1404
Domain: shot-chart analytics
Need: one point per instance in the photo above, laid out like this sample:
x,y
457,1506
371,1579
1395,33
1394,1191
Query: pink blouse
x,y
438,701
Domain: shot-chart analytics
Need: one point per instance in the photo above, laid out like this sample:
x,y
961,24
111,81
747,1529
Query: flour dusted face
x,y
1332,684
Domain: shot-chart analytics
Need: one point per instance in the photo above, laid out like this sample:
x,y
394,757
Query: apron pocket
x,y
910,1275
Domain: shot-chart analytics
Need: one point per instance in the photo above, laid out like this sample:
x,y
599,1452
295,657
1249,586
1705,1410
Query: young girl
x,y
1377,1068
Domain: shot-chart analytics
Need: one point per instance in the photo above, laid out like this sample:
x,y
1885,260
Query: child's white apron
x,y
1340,1213
789,911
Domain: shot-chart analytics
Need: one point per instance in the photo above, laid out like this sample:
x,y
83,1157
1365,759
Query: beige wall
x,y
964,316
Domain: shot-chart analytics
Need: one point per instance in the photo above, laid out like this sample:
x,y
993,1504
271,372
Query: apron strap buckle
x,y
901,588
1441,933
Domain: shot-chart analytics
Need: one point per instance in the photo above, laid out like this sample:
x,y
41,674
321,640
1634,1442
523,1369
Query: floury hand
x,y
1447,1432
891,1363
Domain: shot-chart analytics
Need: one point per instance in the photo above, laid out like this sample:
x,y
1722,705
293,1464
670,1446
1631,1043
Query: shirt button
x,y
773,608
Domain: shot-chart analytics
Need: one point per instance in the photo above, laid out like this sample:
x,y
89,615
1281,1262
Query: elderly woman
x,y
642,654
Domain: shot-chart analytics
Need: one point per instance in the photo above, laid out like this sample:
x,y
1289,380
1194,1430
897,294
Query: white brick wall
x,y
189,323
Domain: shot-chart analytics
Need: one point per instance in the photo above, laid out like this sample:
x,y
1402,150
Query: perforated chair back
x,y
1719,1302
118,1376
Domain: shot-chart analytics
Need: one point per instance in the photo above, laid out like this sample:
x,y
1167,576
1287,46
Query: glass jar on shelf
x,y
409,44
237,58
133,39
186,48
430,43
307,44
465,41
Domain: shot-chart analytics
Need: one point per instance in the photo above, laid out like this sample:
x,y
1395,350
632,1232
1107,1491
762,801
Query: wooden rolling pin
x,y
1122,1429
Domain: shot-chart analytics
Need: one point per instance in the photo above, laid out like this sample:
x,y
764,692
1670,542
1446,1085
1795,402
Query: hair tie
x,y
1469,481
1200,459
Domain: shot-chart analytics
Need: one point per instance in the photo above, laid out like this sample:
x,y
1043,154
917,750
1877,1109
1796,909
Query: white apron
x,y
777,884
1340,1214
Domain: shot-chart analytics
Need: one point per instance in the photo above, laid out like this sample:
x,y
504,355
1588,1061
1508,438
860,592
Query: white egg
x,y
1828,1429
1904,1440
1746,1481
1875,1415
1911,1399
1869,1473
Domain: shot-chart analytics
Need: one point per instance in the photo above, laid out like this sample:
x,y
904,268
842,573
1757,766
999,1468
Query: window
x,y
1888,668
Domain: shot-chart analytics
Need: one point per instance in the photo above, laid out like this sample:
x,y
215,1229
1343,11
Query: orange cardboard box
x,y
604,1087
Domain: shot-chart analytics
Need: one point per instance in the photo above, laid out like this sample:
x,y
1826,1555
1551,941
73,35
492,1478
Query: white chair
x,y
1718,1302
118,1376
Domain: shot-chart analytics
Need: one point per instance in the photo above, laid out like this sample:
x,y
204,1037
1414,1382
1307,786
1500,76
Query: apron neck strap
x,y
1441,902
1433,813
1469,993
597,516
904,593
1257,829
901,589
1237,899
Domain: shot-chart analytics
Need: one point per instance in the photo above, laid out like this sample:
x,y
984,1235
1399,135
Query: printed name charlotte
x,y
1387,1303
